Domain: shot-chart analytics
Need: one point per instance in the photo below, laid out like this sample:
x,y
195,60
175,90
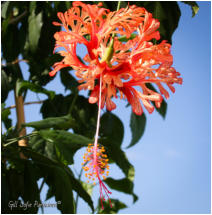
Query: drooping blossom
x,y
133,63
112,68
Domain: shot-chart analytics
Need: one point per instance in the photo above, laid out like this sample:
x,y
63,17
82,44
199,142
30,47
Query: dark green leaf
x,y
31,192
46,148
56,177
80,189
82,112
69,81
137,125
66,143
13,73
5,117
194,7
112,128
115,154
10,43
48,168
123,185
111,132
5,87
116,206
61,186
12,184
64,122
56,107
35,25
24,85
163,109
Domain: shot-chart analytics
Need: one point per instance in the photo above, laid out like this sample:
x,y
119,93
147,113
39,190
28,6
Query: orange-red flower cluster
x,y
132,64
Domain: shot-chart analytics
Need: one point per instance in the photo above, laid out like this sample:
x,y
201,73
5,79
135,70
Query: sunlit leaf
x,y
63,122
35,25
4,9
24,85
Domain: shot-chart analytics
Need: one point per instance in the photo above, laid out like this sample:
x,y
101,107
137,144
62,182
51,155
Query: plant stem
x,y
118,6
20,118
26,103
13,140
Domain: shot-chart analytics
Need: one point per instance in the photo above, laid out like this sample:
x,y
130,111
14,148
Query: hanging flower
x,y
112,68
131,64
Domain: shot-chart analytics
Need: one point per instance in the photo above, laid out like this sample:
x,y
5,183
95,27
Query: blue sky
x,y
172,160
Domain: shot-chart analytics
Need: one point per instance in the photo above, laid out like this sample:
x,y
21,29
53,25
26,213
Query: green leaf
x,y
88,187
34,26
112,128
111,133
48,167
163,108
56,107
4,86
80,189
123,185
43,147
4,9
31,192
5,116
10,43
69,81
194,7
61,186
137,125
56,177
116,206
83,112
66,143
64,122
24,85
13,73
